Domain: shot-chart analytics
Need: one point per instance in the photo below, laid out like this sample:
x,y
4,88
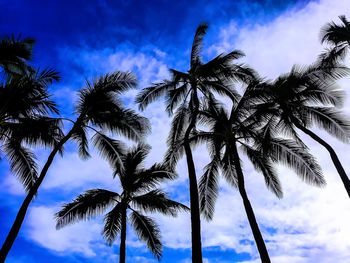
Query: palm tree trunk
x,y
335,159
264,255
12,235
122,247
194,199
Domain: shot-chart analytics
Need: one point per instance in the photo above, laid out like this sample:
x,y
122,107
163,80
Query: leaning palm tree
x,y
308,96
139,194
242,127
98,109
183,93
25,106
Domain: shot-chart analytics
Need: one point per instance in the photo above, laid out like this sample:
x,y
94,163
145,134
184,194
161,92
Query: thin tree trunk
x,y
264,255
335,159
122,247
12,235
194,199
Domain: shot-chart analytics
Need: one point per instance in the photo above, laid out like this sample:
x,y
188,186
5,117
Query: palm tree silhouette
x,y
98,108
139,195
308,96
182,94
337,35
25,104
244,127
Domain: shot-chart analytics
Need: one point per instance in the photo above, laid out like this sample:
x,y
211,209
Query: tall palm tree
x,y
308,96
182,94
98,108
139,194
244,128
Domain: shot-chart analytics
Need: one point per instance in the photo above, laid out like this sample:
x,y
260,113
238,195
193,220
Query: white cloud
x,y
76,238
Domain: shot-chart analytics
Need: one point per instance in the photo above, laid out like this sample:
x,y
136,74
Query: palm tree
x,y
309,96
139,194
25,104
242,127
182,94
98,108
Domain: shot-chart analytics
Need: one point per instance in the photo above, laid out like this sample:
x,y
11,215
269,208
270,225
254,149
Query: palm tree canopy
x,y
336,34
261,146
308,96
14,54
139,194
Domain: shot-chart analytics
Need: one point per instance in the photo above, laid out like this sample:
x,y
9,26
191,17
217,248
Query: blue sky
x,y
82,39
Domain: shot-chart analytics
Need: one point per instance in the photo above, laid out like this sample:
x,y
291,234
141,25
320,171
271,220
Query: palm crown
x,y
305,97
139,194
183,92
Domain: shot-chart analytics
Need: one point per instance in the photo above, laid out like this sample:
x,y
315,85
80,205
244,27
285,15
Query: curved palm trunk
x,y
194,198
264,255
122,247
12,235
335,159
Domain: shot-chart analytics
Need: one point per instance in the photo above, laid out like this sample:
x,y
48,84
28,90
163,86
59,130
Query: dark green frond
x,y
229,168
34,131
298,159
117,82
178,124
158,201
147,179
110,149
263,164
197,44
22,163
331,120
124,122
112,224
148,231
208,188
79,136
86,206
176,96
150,94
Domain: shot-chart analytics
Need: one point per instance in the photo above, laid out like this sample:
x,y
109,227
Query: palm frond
x,y
148,231
197,43
331,120
157,201
37,130
79,136
146,179
110,149
86,206
208,188
150,94
298,159
22,163
264,165
112,224
178,124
